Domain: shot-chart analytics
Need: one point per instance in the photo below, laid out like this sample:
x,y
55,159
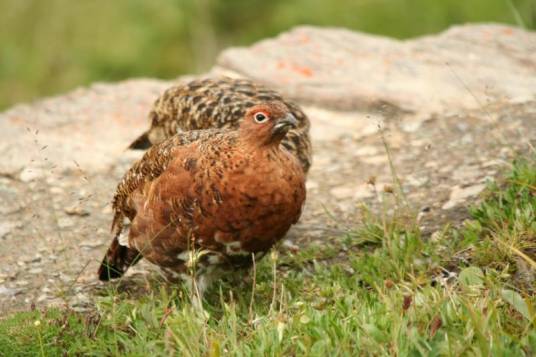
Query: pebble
x,y
90,244
462,126
65,278
411,126
36,259
290,246
77,210
494,163
10,200
5,228
8,291
22,282
416,181
65,222
80,302
30,174
459,195
35,271
466,173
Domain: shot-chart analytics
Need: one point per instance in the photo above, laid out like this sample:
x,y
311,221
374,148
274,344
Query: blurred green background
x,y
50,46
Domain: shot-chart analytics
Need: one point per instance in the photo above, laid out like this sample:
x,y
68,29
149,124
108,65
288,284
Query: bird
x,y
219,102
203,202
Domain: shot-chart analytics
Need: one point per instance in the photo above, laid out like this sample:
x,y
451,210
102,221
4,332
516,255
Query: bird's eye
x,y
260,117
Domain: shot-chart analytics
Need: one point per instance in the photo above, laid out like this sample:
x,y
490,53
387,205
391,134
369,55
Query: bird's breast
x,y
255,192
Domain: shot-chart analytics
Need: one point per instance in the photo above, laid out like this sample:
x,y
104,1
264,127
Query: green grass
x,y
381,289
507,219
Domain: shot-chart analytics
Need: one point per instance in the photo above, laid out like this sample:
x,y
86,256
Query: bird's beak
x,y
284,124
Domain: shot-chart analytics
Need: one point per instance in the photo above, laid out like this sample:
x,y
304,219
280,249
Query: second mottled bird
x,y
219,103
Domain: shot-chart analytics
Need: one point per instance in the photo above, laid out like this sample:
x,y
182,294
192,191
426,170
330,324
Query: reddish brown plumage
x,y
219,103
225,193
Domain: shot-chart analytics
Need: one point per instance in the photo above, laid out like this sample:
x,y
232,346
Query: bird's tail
x,y
117,260
141,143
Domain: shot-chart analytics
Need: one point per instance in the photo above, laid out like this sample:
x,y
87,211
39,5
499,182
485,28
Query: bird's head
x,y
267,123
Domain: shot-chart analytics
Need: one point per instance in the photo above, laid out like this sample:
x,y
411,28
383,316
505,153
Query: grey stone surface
x,y
463,67
87,128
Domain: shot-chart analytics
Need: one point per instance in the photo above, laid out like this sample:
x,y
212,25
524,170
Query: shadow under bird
x,y
204,201
220,103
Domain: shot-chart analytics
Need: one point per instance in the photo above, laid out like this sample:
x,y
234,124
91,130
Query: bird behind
x,y
219,103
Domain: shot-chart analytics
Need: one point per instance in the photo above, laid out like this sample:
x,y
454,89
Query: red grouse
x,y
210,198
219,103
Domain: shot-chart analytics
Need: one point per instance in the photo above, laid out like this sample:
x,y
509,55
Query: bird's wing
x,y
153,163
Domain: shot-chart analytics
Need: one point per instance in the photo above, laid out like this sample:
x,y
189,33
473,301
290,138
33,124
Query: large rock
x,y
90,127
464,67
455,107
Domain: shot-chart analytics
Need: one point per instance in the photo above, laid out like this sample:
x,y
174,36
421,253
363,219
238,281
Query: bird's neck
x,y
261,142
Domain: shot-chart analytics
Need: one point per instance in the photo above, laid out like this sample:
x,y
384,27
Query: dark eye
x,y
260,117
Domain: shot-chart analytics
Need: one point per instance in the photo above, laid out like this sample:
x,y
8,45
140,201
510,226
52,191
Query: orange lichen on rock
x,y
303,70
